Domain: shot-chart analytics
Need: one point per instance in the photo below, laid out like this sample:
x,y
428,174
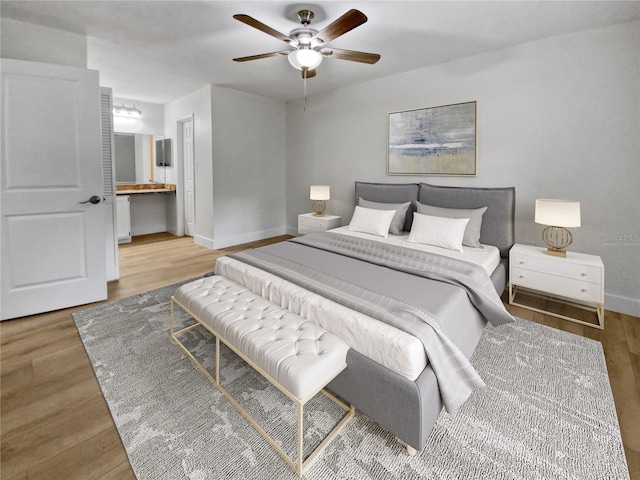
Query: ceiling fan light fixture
x,y
305,58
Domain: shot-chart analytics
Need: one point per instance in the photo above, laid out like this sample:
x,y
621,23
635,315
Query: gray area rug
x,y
547,411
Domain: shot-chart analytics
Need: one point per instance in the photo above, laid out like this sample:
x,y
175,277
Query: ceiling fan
x,y
309,44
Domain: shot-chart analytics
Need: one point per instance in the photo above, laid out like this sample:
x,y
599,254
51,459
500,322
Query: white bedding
x,y
393,348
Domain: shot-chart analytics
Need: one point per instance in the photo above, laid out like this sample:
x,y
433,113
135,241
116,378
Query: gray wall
x,y
240,161
25,41
249,166
197,104
557,118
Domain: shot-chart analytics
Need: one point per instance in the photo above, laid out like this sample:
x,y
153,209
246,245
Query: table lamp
x,y
319,193
557,214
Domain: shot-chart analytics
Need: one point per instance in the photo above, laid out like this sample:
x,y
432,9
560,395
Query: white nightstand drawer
x,y
309,223
304,229
555,266
555,284
312,222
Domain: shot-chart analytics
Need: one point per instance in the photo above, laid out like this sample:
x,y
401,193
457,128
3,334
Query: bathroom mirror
x,y
134,158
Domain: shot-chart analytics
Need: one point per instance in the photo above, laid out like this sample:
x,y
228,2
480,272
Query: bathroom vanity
x,y
143,208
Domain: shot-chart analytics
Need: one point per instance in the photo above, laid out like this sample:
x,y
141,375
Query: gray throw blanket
x,y
473,278
456,377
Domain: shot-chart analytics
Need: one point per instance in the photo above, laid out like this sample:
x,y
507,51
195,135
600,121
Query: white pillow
x,y
397,224
438,231
471,232
369,220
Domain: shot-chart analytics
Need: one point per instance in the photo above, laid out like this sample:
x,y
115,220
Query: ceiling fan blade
x,y
350,20
262,55
306,73
362,57
252,22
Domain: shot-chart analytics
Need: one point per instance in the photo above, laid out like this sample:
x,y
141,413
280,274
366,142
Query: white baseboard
x,y
628,306
248,237
204,241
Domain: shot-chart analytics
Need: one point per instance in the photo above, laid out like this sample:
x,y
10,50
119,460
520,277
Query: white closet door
x,y
52,246
189,178
109,185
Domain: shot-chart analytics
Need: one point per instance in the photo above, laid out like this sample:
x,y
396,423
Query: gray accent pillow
x,y
390,193
397,224
472,230
498,222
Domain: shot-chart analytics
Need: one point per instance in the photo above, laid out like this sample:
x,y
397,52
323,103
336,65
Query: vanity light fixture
x,y
558,214
124,111
319,193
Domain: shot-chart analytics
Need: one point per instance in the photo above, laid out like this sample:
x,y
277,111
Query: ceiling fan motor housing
x,y
305,38
305,17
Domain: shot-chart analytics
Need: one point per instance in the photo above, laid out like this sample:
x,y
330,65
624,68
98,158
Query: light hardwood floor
x,y
55,424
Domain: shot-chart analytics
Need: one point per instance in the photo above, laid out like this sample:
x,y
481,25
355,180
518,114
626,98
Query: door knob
x,y
93,200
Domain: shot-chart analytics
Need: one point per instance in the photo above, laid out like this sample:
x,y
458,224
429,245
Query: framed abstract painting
x,y
433,141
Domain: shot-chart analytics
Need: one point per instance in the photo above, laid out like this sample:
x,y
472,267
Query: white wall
x,y
240,164
151,122
197,104
249,167
34,43
557,118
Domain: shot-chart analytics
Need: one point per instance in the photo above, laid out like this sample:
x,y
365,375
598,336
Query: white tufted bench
x,y
297,356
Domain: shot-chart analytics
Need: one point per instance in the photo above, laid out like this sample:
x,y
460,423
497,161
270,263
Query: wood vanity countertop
x,y
136,188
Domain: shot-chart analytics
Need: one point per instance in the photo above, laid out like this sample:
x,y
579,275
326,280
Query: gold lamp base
x,y
318,208
557,240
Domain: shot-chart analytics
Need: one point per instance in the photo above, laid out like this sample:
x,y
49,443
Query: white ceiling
x,y
158,51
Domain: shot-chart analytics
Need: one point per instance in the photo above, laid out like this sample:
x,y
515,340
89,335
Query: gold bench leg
x,y
350,409
300,438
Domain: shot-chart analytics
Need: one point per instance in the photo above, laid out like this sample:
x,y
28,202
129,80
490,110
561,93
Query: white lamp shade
x,y
558,213
305,58
319,192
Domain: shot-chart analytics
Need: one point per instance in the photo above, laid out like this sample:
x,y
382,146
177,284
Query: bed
x,y
391,373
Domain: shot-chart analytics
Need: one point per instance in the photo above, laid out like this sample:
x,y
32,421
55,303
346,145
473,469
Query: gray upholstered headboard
x,y
390,193
498,222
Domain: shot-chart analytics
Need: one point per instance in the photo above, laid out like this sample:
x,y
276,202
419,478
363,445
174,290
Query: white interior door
x,y
52,246
189,179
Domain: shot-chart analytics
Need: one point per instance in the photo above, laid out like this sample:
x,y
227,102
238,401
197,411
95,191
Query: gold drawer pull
x,y
585,274
585,290
521,262
521,276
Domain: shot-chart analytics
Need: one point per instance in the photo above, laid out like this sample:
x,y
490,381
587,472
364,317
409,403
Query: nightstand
x,y
577,280
309,223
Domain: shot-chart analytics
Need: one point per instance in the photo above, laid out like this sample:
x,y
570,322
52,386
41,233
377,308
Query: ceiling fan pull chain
x,y
304,81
